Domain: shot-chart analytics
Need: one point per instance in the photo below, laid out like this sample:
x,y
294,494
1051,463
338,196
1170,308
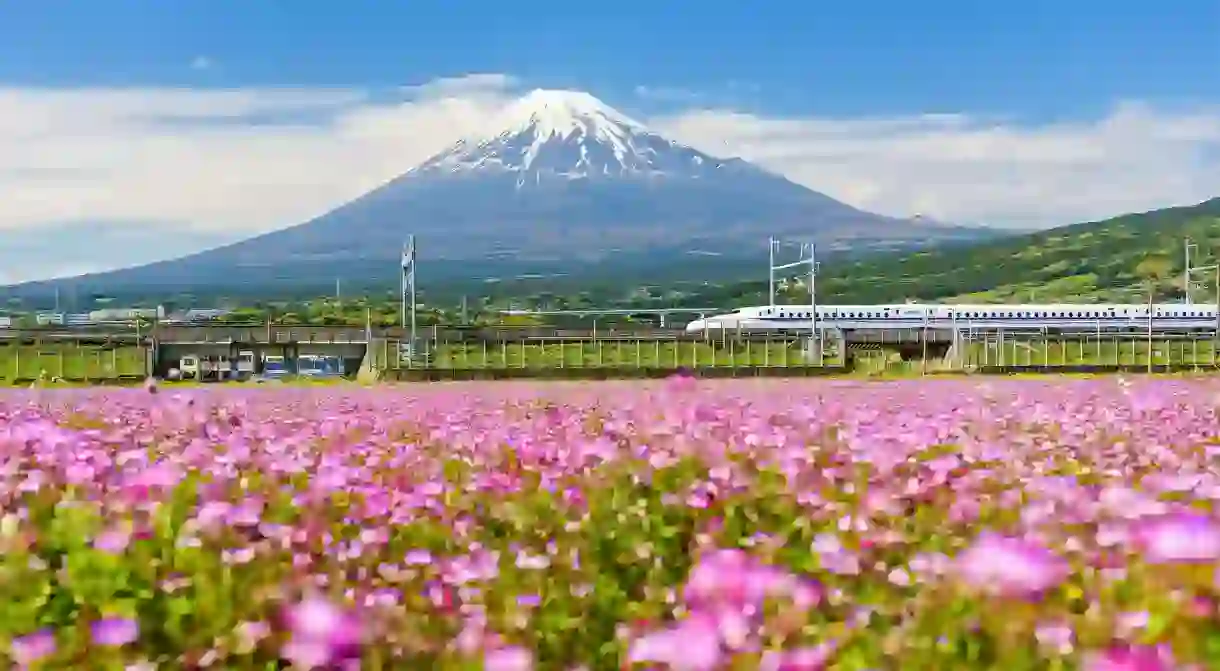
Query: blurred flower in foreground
x,y
801,659
31,648
508,659
321,634
1010,566
115,631
1134,658
1179,538
683,380
692,644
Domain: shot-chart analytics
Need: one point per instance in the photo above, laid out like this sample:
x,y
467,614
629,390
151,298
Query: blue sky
x,y
1039,57
1024,114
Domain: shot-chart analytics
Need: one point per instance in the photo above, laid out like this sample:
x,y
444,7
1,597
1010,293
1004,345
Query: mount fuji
x,y
560,181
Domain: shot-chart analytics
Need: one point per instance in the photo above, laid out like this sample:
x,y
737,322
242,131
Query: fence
x,y
24,363
1105,351
588,357
777,355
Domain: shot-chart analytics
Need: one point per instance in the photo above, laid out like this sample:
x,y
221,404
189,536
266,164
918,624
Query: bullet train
x,y
1048,318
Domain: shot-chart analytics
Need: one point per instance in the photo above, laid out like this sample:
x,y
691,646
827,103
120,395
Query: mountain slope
x,y
558,178
1115,259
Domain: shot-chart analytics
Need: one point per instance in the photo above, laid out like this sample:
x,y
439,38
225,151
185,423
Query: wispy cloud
x,y
667,94
966,169
201,63
472,85
223,163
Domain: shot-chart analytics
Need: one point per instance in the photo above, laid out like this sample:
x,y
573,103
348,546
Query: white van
x,y
188,366
245,364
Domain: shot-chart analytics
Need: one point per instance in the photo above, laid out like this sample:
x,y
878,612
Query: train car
x,y
1036,317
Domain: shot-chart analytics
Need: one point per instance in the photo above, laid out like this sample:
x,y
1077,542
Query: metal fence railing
x,y
995,352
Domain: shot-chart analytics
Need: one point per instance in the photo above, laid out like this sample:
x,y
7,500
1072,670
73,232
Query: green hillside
x,y
1117,260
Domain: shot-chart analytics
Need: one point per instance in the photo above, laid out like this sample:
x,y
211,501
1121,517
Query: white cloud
x,y
247,160
221,163
476,85
965,169
666,94
201,63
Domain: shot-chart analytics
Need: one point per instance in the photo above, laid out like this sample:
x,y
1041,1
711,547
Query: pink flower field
x,y
780,525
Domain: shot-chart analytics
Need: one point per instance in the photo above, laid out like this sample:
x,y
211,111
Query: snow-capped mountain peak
x,y
561,113
567,135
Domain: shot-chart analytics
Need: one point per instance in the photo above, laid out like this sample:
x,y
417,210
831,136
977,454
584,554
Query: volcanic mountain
x,y
560,180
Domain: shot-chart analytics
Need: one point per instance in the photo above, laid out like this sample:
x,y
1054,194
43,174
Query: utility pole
x,y
409,282
1150,329
771,243
1186,245
810,262
816,340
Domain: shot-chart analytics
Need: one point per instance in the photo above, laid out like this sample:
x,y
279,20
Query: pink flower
x,y
114,541
1010,566
1130,658
508,659
1179,538
1055,638
692,644
28,649
801,659
321,634
115,631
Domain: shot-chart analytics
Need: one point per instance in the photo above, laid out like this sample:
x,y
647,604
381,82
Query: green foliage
x,y
1110,260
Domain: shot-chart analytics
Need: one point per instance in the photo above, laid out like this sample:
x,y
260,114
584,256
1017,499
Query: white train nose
x,y
696,326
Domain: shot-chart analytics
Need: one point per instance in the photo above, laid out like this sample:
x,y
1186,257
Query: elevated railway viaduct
x,y
165,344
